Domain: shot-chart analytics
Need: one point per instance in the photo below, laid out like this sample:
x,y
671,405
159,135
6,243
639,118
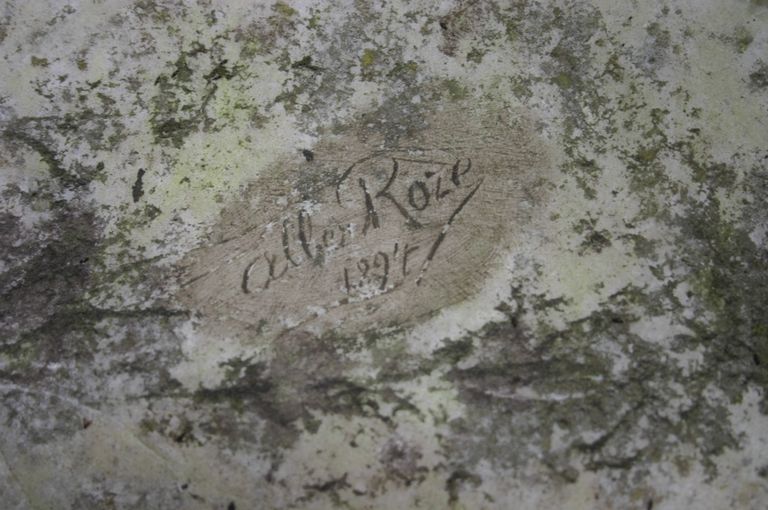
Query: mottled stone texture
x,y
383,254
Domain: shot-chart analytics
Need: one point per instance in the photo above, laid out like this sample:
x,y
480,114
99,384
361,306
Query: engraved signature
x,y
418,199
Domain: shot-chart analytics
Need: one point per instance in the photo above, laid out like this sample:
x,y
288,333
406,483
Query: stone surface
x,y
396,254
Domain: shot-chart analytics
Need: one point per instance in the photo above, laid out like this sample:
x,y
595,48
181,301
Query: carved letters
x,y
366,235
302,244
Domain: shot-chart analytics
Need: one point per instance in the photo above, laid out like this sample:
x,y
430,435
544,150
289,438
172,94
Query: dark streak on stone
x,y
138,187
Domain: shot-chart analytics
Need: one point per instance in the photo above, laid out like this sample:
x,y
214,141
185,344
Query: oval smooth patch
x,y
361,235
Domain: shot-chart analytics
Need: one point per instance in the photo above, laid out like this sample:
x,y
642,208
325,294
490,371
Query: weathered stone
x,y
469,254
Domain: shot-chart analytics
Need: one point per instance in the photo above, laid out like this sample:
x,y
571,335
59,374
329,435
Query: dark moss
x,y
596,241
284,9
453,352
475,55
614,69
643,248
743,40
731,281
563,80
306,63
404,71
586,172
591,399
32,136
306,376
175,130
459,479
289,98
758,78
456,91
180,106
39,62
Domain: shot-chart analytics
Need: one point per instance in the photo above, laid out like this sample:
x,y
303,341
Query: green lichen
x,y
39,61
404,71
743,39
284,9
475,55
511,31
563,80
456,90
614,69
367,63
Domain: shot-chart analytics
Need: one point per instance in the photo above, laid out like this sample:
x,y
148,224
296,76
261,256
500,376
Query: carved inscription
x,y
360,237
411,193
